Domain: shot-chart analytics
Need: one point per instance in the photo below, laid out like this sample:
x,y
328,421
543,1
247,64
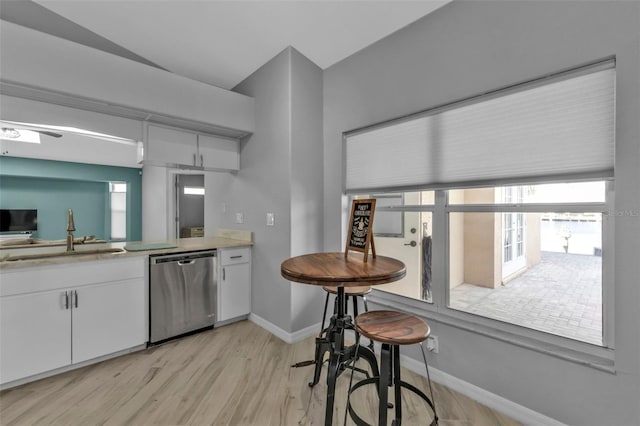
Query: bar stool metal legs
x,y
426,366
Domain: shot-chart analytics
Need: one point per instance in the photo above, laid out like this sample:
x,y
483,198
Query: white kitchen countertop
x,y
241,239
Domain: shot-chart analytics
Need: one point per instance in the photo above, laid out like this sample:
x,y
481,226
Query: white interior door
x,y
399,235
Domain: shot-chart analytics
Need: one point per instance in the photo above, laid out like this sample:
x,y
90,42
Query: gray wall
x,y
464,49
281,172
306,182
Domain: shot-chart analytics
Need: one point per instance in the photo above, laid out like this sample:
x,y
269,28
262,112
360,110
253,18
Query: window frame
x,y
438,309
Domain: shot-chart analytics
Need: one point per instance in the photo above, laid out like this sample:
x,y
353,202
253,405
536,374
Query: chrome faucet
x,y
70,228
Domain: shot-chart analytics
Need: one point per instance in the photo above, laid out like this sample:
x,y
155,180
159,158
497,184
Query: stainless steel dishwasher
x,y
182,294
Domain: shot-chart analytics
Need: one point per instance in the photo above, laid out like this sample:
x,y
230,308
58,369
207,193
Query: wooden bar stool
x,y
392,329
353,292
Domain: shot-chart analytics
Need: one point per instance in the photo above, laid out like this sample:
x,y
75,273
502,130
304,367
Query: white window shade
x,y
392,156
560,127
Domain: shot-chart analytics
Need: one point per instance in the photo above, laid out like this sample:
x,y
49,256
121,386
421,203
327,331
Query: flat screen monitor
x,y
18,220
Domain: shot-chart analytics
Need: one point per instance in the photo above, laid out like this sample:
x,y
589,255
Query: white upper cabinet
x,y
176,147
218,153
169,146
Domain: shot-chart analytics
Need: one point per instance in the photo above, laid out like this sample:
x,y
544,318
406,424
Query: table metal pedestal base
x,y
341,357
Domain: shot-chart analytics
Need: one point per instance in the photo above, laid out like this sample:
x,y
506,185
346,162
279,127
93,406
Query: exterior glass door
x,y
513,234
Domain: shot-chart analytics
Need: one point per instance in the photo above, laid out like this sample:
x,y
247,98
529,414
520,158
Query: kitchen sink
x,y
35,256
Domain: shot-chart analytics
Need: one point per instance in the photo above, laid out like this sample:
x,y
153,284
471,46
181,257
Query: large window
x,y
516,254
498,205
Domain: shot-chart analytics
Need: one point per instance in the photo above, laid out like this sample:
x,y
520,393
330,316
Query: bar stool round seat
x,y
392,329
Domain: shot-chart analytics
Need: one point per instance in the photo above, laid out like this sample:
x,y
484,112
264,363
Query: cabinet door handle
x,y
66,300
223,274
75,303
201,160
194,159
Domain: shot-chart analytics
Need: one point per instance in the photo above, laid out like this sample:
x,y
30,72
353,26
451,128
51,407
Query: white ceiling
x,y
223,42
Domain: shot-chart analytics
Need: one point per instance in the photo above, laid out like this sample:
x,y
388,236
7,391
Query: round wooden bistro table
x,y
337,270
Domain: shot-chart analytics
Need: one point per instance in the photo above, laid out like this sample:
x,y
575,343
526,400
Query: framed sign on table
x,y
360,231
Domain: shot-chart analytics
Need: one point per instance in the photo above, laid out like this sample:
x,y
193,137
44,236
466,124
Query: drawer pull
x,y
236,257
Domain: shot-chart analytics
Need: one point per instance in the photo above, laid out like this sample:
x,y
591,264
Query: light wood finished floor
x,y
238,374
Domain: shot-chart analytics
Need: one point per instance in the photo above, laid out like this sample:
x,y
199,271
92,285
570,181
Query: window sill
x,y
566,349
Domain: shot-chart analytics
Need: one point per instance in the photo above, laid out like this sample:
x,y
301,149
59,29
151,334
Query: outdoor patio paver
x,y
561,295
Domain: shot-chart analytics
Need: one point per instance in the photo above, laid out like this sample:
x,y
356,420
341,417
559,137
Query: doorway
x,y
189,218
406,236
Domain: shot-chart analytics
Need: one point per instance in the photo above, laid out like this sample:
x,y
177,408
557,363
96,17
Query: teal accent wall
x,y
53,187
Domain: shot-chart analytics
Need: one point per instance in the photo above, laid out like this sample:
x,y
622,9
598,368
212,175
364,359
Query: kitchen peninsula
x,y
61,311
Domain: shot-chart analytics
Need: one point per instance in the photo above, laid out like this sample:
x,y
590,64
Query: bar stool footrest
x,y
375,380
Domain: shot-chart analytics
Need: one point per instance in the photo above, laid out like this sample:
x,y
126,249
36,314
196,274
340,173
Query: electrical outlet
x,y
271,220
432,344
239,217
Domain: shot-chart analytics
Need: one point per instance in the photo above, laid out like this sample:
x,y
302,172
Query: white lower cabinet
x,y
107,318
234,283
42,329
35,334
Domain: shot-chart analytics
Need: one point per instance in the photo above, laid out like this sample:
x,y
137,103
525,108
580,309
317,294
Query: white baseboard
x,y
286,336
491,400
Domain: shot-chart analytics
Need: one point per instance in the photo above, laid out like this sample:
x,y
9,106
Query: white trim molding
x,y
286,336
491,400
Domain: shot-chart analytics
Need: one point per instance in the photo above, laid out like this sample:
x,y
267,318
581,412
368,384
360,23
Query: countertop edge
x,y
182,245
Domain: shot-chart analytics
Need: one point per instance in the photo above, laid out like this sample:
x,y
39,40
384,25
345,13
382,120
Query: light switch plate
x,y
271,220
239,217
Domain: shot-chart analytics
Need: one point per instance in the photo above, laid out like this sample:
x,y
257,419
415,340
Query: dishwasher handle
x,y
185,258
186,262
